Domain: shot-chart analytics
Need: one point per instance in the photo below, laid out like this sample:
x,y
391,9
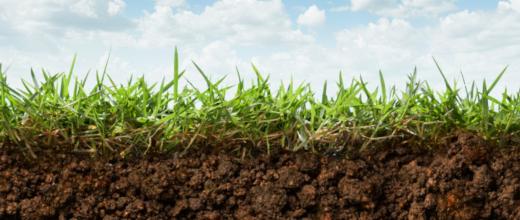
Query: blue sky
x,y
303,40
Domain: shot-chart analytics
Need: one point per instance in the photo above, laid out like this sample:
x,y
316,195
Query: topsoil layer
x,y
468,180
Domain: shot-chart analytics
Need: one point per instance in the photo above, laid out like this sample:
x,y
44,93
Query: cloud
x,y
58,16
312,17
401,8
387,41
93,8
506,5
226,34
115,7
226,20
217,37
85,8
357,5
169,3
477,43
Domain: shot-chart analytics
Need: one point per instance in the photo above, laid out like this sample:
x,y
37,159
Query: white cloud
x,y
506,5
226,20
401,8
385,42
85,7
477,43
58,16
169,3
212,37
226,34
313,16
357,5
115,7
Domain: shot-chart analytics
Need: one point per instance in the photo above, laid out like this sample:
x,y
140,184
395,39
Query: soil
x,y
465,180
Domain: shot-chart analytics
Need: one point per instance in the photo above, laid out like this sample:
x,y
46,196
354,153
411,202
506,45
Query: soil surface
x,y
466,180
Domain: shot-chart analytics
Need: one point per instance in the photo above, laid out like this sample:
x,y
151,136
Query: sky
x,y
300,40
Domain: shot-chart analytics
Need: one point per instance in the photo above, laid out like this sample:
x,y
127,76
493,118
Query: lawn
x,y
139,117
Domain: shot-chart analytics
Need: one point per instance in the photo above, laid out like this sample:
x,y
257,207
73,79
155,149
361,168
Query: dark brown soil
x,y
467,180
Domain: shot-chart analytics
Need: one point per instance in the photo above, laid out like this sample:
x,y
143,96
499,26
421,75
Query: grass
x,y
59,112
